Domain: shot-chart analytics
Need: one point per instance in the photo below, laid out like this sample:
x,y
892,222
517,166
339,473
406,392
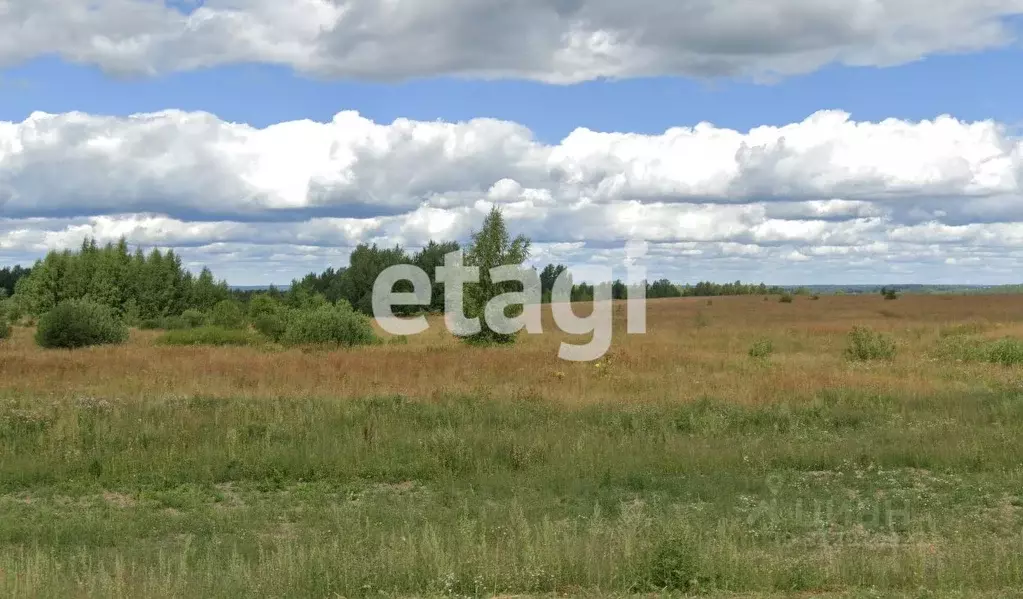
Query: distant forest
x,y
140,285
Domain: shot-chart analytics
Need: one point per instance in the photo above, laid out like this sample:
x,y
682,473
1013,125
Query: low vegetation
x,y
865,344
1007,351
465,496
337,325
210,335
761,348
74,324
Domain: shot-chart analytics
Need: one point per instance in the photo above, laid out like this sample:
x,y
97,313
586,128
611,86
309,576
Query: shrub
x,y
150,324
330,324
891,295
5,327
12,308
761,348
272,326
675,565
960,347
210,336
174,323
786,298
80,323
815,297
167,323
227,315
1006,351
865,344
262,305
193,318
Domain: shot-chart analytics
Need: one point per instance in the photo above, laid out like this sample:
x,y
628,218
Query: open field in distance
x,y
679,464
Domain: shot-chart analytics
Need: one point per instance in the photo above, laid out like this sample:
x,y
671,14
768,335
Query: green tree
x,y
548,276
428,259
490,247
206,292
227,314
366,264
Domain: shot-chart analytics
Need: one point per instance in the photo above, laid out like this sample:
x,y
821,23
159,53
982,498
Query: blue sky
x,y
970,87
834,170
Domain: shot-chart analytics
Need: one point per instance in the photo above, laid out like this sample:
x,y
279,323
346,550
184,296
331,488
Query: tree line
x,y
140,286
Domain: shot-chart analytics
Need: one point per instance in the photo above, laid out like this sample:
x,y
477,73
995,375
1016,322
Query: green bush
x,y
786,298
262,305
675,565
272,326
12,308
761,348
150,324
1006,351
166,323
227,315
80,323
865,344
210,336
330,324
5,327
193,318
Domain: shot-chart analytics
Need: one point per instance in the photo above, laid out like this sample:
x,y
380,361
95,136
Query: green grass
x,y
1006,351
472,496
761,348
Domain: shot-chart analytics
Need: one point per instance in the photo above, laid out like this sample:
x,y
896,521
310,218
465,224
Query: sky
x,y
784,141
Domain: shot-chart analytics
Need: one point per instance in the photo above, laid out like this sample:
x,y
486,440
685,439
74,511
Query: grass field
x,y
679,464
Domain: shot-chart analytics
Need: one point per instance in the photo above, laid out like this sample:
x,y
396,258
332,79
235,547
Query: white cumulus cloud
x,y
827,198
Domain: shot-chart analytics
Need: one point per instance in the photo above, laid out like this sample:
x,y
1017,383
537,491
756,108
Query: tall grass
x,y
467,496
434,469
866,344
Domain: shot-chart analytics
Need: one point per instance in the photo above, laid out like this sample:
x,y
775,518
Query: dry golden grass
x,y
692,349
117,481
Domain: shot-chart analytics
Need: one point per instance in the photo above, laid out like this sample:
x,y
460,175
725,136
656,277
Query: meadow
x,y
742,447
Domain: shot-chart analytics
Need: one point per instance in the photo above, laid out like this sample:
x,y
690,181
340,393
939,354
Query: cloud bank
x,y
555,41
823,200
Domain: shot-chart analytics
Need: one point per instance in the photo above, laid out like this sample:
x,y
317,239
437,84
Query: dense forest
x,y
9,278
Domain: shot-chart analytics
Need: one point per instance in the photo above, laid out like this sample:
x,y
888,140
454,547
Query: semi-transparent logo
x,y
454,274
